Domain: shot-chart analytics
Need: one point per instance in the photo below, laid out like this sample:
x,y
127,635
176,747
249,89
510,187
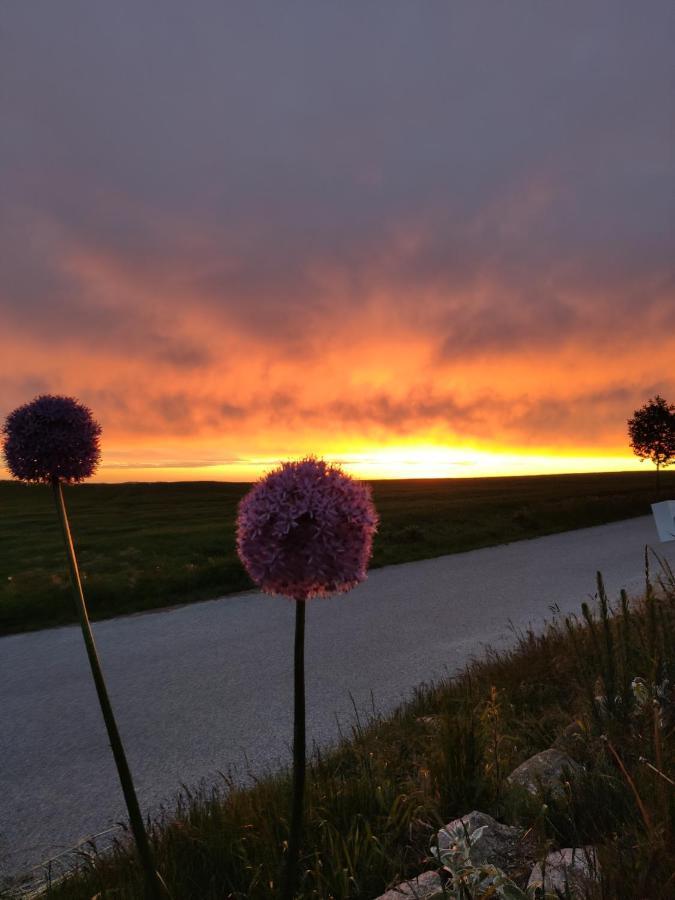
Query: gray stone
x,y
575,869
498,844
426,886
548,770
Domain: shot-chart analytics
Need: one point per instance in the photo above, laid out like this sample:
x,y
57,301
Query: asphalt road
x,y
199,689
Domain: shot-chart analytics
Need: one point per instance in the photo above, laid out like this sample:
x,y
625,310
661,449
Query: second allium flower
x,y
306,530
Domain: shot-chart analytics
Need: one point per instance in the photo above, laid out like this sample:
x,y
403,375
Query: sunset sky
x,y
423,238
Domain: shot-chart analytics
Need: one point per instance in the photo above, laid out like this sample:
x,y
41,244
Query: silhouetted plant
x,y
652,433
303,531
55,440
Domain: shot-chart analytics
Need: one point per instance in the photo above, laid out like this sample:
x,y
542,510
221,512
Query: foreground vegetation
x,y
375,802
143,546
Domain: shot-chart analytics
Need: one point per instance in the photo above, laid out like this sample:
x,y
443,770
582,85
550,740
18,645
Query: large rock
x,y
498,844
426,886
573,869
548,771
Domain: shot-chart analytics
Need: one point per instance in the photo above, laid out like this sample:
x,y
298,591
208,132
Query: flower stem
x,y
299,755
155,889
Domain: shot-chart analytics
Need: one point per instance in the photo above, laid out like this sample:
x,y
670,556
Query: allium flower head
x,y
306,530
51,438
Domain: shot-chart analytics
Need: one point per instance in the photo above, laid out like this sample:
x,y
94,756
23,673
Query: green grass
x,y
374,802
143,546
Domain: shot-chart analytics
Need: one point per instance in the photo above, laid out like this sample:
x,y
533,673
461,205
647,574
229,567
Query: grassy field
x,y
143,546
375,802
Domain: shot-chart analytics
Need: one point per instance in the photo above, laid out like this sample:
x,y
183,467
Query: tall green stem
x,y
299,755
154,885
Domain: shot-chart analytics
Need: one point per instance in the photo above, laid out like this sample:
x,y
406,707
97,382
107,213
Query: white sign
x,y
664,516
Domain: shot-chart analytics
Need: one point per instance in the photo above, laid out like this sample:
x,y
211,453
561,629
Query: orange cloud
x,y
184,390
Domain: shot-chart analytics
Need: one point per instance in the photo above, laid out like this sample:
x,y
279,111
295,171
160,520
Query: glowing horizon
x,y
391,463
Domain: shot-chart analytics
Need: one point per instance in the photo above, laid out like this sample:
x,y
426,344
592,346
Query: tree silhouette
x,y
652,433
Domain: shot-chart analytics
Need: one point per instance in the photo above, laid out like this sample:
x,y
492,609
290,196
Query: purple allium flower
x,y
51,438
306,530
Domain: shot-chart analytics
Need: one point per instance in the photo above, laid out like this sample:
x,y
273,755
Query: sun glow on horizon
x,y
394,462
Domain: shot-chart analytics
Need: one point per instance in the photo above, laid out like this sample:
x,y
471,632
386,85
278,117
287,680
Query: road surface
x,y
201,688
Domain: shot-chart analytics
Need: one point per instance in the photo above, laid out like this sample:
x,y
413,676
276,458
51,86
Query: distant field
x,y
143,546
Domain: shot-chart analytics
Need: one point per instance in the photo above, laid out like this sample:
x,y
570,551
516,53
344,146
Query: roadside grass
x,y
144,546
375,801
